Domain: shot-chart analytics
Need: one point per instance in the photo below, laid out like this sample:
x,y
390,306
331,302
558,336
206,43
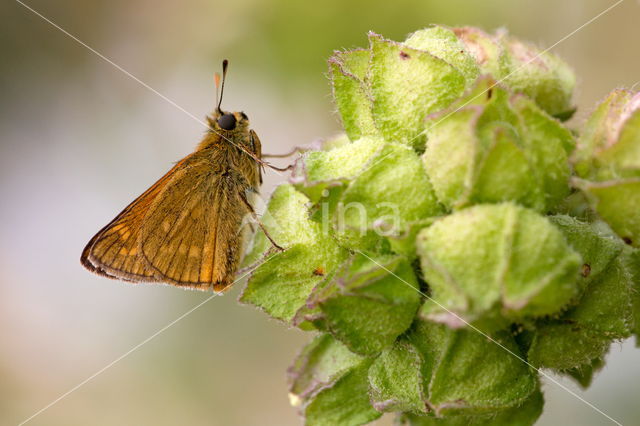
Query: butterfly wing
x,y
195,241
182,231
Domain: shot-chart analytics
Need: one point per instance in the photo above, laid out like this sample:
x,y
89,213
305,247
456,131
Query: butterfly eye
x,y
227,122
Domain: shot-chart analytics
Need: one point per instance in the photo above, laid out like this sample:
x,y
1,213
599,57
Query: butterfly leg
x,y
279,169
257,147
246,202
295,150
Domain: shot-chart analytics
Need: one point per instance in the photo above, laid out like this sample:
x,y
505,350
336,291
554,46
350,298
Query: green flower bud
x,y
633,263
319,171
595,243
393,191
480,266
366,189
492,147
521,67
389,89
396,381
406,85
344,403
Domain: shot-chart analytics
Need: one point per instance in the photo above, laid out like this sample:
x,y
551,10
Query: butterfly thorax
x,y
233,145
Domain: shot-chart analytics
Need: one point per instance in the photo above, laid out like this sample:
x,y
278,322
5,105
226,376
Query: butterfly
x,y
187,228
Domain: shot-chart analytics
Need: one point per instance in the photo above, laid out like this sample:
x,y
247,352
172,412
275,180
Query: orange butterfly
x,y
186,229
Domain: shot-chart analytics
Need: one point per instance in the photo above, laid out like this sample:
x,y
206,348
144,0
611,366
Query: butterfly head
x,y
228,121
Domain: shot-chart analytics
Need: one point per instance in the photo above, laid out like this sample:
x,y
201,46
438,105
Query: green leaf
x,y
617,202
323,377
347,71
604,313
606,305
583,375
465,373
443,43
396,381
392,191
346,402
564,346
343,162
281,285
596,246
633,264
492,261
368,304
317,172
321,363
406,85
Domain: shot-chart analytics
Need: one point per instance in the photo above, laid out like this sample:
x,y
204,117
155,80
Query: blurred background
x,y
79,140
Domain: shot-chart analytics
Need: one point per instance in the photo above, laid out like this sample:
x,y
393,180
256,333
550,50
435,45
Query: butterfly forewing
x,y
114,251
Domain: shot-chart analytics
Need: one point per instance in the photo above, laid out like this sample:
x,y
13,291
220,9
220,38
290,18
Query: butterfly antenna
x,y
225,64
216,79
